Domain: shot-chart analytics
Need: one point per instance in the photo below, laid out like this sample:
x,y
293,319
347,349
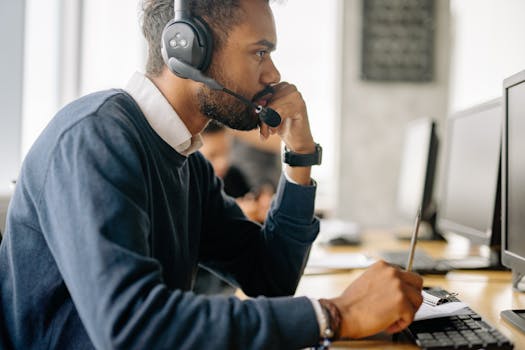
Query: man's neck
x,y
181,95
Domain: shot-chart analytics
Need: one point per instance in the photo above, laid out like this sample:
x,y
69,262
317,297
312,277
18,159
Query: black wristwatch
x,y
298,159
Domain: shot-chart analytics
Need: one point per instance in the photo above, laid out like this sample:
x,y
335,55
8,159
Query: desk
x,y
486,292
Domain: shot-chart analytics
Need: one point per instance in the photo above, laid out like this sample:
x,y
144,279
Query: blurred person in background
x,y
254,197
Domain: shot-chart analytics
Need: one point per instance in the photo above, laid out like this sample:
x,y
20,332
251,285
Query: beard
x,y
224,108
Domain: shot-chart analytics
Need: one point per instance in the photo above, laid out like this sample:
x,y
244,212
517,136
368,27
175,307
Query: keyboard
x,y
467,330
425,264
422,263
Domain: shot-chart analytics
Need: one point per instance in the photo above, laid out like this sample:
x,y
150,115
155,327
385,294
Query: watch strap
x,y
299,159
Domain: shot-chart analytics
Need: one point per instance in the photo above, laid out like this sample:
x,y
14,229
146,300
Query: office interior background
x,y
57,50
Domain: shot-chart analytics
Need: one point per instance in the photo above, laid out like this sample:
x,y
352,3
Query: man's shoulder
x,y
111,102
107,111
101,117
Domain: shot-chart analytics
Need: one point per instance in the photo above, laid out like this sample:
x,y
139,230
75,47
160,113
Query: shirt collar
x,y
161,115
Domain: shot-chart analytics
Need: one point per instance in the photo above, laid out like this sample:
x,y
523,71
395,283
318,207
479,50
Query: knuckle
x,y
382,264
397,285
419,300
297,95
409,318
391,271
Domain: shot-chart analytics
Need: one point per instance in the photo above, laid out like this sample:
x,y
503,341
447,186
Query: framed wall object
x,y
398,40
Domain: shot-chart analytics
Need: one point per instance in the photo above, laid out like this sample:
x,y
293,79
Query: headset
x,y
187,46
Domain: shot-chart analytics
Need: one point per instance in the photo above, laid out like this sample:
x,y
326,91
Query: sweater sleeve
x,y
263,260
94,219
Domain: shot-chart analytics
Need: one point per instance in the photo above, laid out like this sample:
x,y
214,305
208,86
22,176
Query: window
x,y
41,66
72,48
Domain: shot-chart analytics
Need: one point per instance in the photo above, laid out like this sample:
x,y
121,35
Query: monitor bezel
x,y
491,236
508,258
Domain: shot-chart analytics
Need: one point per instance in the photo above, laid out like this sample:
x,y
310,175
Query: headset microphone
x,y
184,70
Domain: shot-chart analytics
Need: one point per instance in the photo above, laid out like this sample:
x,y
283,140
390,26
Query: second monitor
x,y
470,204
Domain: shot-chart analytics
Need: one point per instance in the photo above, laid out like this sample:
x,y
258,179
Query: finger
x,y
414,296
397,327
394,328
412,278
282,89
286,110
264,131
280,86
405,318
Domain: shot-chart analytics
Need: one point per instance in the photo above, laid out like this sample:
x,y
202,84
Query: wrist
x,y
298,175
305,157
306,148
333,320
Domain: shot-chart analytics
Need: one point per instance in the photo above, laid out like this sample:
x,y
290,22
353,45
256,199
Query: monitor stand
x,y
473,262
515,317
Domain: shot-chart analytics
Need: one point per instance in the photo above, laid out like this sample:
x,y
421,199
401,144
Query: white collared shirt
x,y
161,116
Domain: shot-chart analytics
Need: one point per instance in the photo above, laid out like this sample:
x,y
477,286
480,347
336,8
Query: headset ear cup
x,y
188,40
206,38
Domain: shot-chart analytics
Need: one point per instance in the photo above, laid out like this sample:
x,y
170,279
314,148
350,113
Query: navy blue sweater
x,y
105,231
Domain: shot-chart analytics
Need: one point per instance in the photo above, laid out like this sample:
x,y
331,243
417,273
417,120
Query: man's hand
x,y
384,298
294,129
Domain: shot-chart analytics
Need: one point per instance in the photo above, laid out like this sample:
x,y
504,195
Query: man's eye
x,y
261,53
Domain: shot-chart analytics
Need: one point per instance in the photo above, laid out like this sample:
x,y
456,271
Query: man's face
x,y
244,66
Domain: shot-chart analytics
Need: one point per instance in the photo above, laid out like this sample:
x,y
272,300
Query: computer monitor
x,y
416,175
513,188
470,199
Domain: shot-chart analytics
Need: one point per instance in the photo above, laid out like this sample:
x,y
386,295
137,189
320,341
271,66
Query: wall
x,y
373,120
487,47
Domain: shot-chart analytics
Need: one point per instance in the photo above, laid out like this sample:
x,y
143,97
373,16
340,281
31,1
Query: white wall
x,y
374,116
488,46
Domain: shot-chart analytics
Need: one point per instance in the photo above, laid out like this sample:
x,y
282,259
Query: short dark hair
x,y
220,15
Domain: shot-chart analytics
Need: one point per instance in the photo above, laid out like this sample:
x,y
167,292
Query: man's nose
x,y
270,75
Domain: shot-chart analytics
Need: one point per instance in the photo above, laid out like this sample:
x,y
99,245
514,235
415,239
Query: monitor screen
x,y
416,176
513,197
471,173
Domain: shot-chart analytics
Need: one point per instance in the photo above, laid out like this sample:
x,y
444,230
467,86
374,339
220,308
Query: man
x,y
114,210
